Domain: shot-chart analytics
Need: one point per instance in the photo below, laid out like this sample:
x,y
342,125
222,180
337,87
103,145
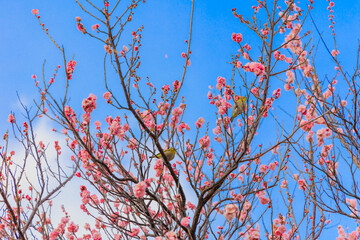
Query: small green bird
x,y
169,153
239,107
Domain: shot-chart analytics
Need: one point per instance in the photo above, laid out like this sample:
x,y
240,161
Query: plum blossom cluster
x,y
139,189
88,105
237,37
95,27
176,114
231,211
262,197
251,233
107,96
116,128
35,11
280,231
255,67
70,116
79,25
70,69
350,236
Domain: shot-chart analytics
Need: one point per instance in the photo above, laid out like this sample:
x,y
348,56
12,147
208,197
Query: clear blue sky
x,y
24,46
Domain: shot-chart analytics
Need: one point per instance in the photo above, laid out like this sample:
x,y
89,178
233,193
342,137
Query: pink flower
x,y
277,55
96,235
283,184
86,118
171,235
255,67
255,91
183,126
57,146
263,168
222,110
343,103
237,37
221,82
11,118
139,189
250,120
247,205
264,200
159,167
217,130
95,26
185,221
97,124
306,126
334,53
108,49
132,144
89,103
72,227
290,77
81,27
302,184
200,122
272,166
35,11
277,93
176,112
204,141
166,89
302,109
230,211
281,230
190,205
287,87
78,19
176,85
245,55
352,202
135,232
70,68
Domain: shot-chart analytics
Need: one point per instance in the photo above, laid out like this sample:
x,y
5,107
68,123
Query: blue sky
x,y
24,47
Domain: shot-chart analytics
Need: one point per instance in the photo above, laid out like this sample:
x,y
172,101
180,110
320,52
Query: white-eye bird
x,y
239,107
169,153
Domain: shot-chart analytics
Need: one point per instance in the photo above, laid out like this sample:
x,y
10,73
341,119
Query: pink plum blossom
x,y
221,82
237,37
185,221
35,11
11,118
200,122
139,189
231,211
204,141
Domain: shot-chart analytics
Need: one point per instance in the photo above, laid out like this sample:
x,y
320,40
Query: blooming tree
x,y
225,182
